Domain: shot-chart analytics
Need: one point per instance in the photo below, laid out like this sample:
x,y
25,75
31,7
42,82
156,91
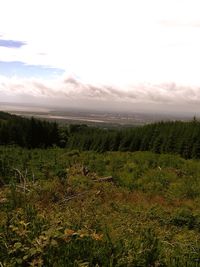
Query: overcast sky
x,y
120,53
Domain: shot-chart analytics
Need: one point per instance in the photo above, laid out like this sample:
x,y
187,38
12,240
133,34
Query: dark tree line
x,y
163,137
30,133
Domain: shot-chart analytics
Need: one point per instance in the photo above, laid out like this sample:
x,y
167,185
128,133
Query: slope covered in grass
x,y
56,212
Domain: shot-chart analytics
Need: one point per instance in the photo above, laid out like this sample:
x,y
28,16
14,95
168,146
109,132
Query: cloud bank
x,y
70,90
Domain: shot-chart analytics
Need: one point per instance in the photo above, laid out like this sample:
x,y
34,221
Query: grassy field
x,y
56,210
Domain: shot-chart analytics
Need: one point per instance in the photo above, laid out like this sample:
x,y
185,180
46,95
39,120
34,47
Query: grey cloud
x,y
43,89
71,80
71,91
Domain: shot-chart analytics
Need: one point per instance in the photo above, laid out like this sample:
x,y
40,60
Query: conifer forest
x,y
76,195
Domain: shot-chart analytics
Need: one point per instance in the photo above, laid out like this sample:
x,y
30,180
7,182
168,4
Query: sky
x,y
104,54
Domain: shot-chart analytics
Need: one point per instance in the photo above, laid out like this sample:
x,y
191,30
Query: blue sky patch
x,y
11,43
19,69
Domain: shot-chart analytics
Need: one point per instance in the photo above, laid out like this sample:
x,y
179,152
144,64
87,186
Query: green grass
x,y
54,215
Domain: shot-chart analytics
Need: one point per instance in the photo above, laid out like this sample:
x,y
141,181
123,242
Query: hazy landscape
x,y
99,133
93,117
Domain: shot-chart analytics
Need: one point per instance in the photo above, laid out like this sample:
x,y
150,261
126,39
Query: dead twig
x,y
73,196
24,188
104,179
22,178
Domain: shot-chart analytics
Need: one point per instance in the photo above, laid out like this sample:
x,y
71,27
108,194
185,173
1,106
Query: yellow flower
x,y
69,232
97,236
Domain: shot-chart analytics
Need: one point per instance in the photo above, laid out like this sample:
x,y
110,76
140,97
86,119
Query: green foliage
x,y
184,217
30,133
55,212
163,137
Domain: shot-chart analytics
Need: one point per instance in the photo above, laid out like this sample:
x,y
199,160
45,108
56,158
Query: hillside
x,y
56,210
75,195
6,116
163,137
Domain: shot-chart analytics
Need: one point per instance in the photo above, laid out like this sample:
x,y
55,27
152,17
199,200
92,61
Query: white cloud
x,y
115,42
127,51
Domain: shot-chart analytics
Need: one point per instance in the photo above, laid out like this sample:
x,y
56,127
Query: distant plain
x,y
90,116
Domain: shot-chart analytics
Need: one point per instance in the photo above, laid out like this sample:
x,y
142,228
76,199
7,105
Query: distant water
x,y
70,118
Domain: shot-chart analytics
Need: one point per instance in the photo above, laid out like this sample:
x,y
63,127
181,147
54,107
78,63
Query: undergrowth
x,y
56,210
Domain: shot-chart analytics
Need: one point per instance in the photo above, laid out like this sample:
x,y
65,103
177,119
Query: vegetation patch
x,y
69,208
